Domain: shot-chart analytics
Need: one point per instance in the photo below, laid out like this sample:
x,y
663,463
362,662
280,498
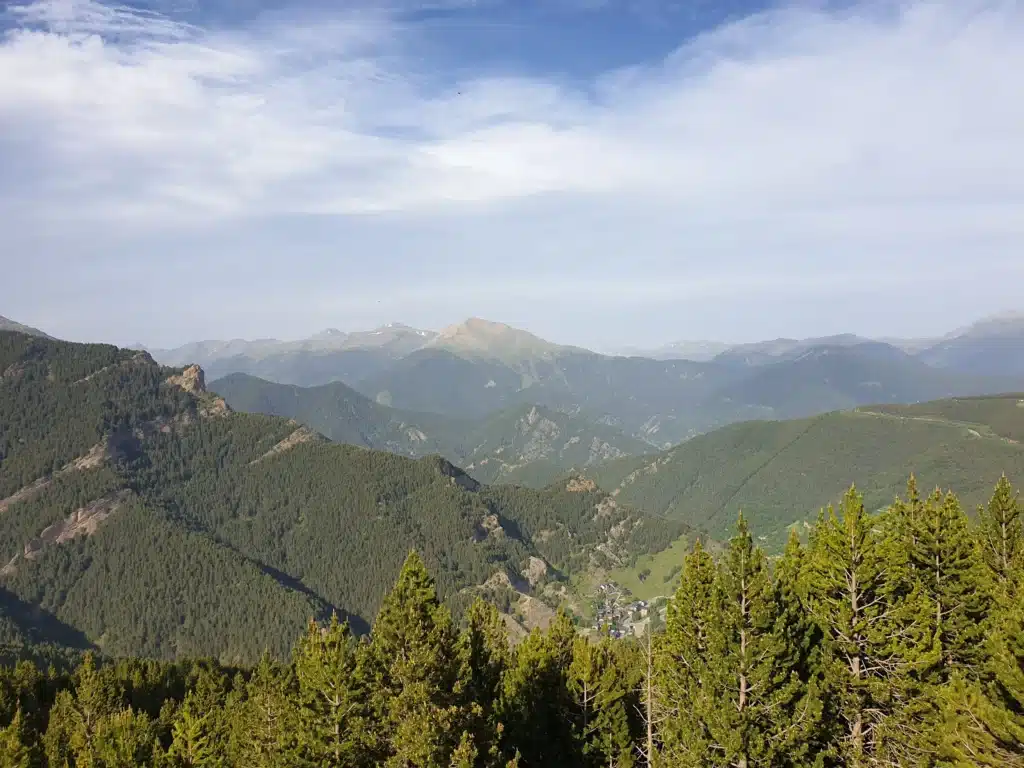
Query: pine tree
x,y
263,719
869,628
801,639
1001,536
681,667
333,707
649,707
536,699
14,752
77,716
947,569
192,744
601,691
417,674
754,708
198,728
465,755
486,650
124,739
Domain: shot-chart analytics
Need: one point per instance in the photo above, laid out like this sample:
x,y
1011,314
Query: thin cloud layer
x,y
797,148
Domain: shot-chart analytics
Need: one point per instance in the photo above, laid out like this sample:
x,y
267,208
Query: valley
x,y
148,517
276,483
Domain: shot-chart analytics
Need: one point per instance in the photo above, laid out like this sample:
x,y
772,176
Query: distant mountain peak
x,y
998,324
487,338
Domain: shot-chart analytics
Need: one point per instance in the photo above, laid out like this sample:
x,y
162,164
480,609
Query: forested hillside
x,y
779,472
139,510
893,639
476,369
340,413
527,444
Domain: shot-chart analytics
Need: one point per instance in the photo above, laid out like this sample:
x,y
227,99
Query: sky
x,y
600,172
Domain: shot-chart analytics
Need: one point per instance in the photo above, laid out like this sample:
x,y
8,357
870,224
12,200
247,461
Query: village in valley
x,y
618,615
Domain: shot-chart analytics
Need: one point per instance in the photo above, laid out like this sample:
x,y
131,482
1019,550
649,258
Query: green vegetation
x,y
653,575
667,401
526,445
141,512
777,473
894,638
11,325
345,416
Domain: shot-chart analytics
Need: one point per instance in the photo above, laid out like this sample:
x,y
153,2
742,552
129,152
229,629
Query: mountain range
x,y
478,369
144,512
139,510
527,445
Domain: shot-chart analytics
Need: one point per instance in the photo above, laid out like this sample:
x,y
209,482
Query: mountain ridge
x,y
145,514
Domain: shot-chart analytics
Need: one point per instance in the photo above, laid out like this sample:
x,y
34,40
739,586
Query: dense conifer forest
x,y
890,639
140,515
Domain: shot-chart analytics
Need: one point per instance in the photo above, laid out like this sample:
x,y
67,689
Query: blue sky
x,y
601,172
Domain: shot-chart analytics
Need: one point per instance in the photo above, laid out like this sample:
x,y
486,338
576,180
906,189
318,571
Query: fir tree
x,y
868,627
333,708
1001,536
486,650
14,752
536,698
418,675
263,719
682,663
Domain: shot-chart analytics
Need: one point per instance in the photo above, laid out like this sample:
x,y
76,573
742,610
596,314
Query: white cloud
x,y
802,106
778,145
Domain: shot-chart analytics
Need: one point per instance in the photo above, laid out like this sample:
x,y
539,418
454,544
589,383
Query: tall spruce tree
x,y
14,751
332,712
199,730
682,663
263,719
486,649
869,628
537,701
417,675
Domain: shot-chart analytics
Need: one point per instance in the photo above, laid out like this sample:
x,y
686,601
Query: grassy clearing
x,y
661,580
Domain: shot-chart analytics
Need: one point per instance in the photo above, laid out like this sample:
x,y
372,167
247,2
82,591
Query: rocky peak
x,y
192,380
476,336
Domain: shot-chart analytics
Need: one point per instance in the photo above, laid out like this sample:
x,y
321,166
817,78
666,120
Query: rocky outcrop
x,y
298,437
580,485
489,528
84,521
191,380
94,458
535,571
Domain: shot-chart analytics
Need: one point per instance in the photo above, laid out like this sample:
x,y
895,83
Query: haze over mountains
x,y
116,471
477,368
